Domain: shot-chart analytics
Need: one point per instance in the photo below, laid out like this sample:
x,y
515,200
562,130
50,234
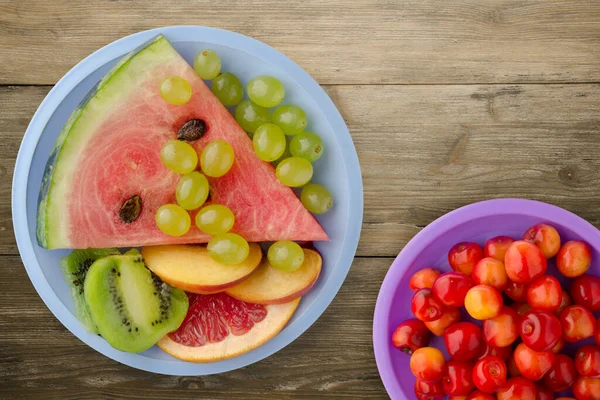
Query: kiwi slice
x,y
130,305
75,267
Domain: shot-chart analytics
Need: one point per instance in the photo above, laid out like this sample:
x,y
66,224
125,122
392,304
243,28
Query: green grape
x,y
250,115
286,152
192,190
291,119
215,219
286,255
228,248
207,64
179,156
175,90
294,171
316,198
172,220
228,89
269,142
307,145
265,91
216,158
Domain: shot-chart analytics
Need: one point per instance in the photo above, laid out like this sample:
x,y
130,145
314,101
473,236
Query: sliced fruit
x,y
270,285
108,153
75,267
131,306
192,269
218,327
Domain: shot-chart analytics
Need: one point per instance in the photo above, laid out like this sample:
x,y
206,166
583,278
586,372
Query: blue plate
x,y
338,169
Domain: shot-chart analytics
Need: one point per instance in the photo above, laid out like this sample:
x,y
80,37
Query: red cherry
x,y
502,330
496,247
501,352
544,293
429,390
562,374
451,288
517,389
597,332
411,335
524,262
565,302
463,341
463,257
574,259
423,279
427,364
426,307
586,292
491,272
477,395
577,323
458,378
449,317
540,330
545,237
532,365
586,388
483,302
489,374
516,291
587,361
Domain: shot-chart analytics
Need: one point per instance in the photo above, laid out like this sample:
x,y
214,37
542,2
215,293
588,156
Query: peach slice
x,y
191,268
269,285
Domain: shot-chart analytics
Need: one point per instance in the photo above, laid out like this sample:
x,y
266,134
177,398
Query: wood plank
x,y
334,359
349,42
425,150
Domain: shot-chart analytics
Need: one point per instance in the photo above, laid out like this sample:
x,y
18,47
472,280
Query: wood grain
x,y
425,150
333,359
341,42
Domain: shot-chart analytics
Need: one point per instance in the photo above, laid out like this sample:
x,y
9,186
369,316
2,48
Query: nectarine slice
x,y
191,268
269,285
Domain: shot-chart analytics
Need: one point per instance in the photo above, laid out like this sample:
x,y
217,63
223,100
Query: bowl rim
x,y
117,49
446,222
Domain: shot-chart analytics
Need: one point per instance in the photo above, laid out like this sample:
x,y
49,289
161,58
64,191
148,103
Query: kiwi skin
x,y
74,268
131,306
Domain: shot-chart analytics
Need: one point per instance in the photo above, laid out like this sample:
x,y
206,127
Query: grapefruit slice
x,y
218,327
269,285
192,269
106,159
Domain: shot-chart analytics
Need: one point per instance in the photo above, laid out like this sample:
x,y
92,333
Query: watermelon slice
x,y
108,152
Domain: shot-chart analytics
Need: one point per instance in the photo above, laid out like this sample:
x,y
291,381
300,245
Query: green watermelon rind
x,y
98,102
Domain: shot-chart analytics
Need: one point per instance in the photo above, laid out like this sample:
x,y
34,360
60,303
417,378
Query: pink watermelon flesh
x,y
121,159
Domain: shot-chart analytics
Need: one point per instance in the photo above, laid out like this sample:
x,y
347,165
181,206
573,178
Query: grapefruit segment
x,y
269,285
192,269
108,152
218,327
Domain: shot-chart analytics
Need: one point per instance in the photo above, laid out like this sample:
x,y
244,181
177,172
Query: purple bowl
x,y
476,223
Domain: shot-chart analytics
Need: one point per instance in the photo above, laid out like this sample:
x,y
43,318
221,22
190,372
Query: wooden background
x,y
448,103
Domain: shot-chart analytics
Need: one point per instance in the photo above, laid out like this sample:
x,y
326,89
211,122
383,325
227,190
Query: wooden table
x,y
448,103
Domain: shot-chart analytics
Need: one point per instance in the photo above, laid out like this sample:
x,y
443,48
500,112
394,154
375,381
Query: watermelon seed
x,y
192,130
131,208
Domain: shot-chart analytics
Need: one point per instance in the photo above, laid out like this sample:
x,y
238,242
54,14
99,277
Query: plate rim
x,y
447,221
117,49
